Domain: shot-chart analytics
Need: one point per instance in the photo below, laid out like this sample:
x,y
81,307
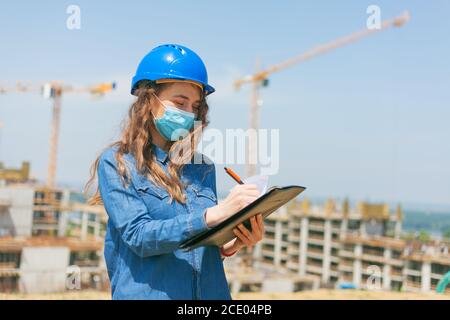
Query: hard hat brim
x,y
208,89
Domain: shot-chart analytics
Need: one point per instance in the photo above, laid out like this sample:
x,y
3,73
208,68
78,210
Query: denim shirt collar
x,y
161,155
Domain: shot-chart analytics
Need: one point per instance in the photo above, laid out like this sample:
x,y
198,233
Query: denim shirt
x,y
144,231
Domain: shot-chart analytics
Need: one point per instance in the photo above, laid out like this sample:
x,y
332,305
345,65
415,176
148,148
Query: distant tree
x,y
423,235
446,234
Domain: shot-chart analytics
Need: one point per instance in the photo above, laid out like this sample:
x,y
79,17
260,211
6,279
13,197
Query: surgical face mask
x,y
174,123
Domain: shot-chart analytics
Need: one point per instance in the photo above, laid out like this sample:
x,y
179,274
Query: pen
x,y
233,175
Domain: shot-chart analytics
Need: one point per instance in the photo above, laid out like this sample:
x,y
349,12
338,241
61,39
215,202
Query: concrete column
x,y
387,270
278,238
426,276
62,224
344,227
257,251
97,227
43,269
362,228
357,266
405,277
316,284
303,245
84,225
62,220
398,229
235,286
17,219
326,262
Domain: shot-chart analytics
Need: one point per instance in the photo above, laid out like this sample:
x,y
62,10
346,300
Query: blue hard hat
x,y
172,61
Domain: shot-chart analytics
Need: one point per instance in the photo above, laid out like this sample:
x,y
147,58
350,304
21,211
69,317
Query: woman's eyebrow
x,y
184,97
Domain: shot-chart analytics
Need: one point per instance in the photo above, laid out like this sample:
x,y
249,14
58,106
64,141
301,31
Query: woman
x,y
155,199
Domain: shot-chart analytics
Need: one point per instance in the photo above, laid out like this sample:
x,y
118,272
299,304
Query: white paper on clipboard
x,y
261,182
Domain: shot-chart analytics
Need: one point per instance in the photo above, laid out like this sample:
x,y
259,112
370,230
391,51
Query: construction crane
x,y
54,90
260,78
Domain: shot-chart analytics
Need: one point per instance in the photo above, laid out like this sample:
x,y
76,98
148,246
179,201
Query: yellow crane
x,y
260,77
54,90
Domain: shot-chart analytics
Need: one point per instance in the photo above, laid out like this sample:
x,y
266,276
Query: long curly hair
x,y
136,139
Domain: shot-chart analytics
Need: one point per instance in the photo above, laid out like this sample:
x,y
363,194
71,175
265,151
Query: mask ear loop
x,y
157,98
159,102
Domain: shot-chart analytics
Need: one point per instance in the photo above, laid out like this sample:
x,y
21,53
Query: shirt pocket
x,y
205,196
156,199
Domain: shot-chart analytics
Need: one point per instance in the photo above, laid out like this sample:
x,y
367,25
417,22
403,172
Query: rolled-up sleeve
x,y
131,218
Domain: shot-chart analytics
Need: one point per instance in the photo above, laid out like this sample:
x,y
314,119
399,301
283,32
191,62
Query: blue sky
x,y
368,121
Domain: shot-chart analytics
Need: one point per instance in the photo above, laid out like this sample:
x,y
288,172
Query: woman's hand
x,y
239,197
245,237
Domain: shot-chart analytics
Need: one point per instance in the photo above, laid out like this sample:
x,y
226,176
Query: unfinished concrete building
x,y
338,244
425,264
50,240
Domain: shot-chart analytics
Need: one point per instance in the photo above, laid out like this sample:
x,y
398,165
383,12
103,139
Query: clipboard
x,y
266,204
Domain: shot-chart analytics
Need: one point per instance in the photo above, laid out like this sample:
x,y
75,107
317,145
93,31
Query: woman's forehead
x,y
184,90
